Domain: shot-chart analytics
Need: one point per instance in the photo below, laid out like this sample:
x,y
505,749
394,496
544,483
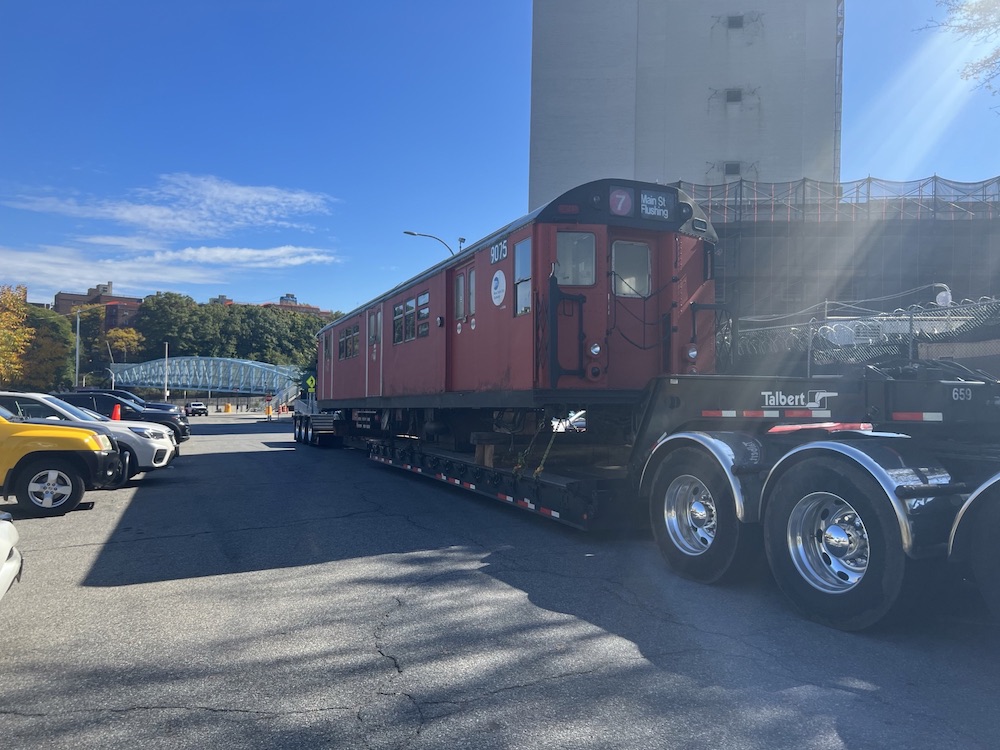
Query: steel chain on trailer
x,y
541,464
522,457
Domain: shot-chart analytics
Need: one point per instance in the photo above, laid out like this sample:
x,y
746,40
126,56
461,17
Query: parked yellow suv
x,y
48,466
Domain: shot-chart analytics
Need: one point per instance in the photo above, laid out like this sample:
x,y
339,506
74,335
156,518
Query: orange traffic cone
x,y
116,413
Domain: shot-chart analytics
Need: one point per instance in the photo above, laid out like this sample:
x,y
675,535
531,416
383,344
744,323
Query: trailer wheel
x,y
297,430
48,487
986,553
693,515
834,545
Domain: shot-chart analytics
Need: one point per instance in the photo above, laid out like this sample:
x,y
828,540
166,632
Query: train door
x,y
639,305
655,279
462,338
373,360
577,307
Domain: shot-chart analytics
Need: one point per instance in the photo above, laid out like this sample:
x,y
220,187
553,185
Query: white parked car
x,y
143,445
11,563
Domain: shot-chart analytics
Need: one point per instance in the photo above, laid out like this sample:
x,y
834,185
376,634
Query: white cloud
x,y
242,257
192,206
126,243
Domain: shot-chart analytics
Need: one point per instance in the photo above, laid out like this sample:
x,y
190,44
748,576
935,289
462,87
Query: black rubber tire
x,y
44,477
886,578
133,461
985,552
724,549
121,475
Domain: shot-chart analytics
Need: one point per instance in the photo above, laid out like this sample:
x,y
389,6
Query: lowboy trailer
x,y
853,486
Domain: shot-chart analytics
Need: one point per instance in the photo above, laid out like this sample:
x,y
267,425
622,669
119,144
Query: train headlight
x,y
595,349
692,352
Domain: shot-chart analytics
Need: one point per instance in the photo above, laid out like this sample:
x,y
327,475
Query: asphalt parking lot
x,y
260,594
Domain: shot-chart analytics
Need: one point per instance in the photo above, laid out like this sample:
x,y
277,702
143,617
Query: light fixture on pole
x,y
421,234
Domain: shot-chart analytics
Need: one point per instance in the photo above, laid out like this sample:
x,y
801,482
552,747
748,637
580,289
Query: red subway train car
x,y
576,305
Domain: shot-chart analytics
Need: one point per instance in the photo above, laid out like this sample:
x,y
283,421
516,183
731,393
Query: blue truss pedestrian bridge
x,y
213,375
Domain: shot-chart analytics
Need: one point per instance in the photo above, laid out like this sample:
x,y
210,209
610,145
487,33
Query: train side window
x,y
459,296
522,277
472,291
630,263
410,320
423,315
576,258
397,324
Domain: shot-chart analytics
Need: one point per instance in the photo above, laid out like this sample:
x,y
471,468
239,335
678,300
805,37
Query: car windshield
x,y
74,411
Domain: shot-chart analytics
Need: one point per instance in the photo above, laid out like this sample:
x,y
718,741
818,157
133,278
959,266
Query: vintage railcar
x,y
578,304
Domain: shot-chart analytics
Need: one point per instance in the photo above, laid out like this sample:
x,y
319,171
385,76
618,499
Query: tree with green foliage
x,y
122,342
50,360
168,318
15,334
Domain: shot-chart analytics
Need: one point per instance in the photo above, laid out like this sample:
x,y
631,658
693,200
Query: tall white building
x,y
703,91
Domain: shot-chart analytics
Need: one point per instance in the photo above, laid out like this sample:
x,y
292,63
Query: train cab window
x,y
460,296
630,263
522,277
576,258
472,291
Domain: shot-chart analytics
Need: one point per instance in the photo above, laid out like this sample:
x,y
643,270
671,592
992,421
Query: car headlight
x,y
149,433
104,441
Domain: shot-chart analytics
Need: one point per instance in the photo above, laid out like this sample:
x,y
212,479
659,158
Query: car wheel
x,y
121,475
48,487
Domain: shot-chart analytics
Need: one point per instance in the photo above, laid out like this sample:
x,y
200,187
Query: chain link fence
x,y
847,334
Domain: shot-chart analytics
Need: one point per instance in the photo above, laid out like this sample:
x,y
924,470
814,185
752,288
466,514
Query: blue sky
x,y
254,148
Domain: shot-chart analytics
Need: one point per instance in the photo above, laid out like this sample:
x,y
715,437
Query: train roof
x,y
550,212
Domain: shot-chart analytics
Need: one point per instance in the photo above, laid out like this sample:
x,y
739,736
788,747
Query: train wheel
x,y
693,515
834,545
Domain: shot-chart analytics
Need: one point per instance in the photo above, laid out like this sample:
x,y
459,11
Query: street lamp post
x,y
421,234
76,375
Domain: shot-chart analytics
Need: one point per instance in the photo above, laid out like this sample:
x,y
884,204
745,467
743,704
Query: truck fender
x,y
961,531
919,489
738,455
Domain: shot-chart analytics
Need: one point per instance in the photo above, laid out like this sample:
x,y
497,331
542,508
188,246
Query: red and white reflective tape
x,y
767,413
917,416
